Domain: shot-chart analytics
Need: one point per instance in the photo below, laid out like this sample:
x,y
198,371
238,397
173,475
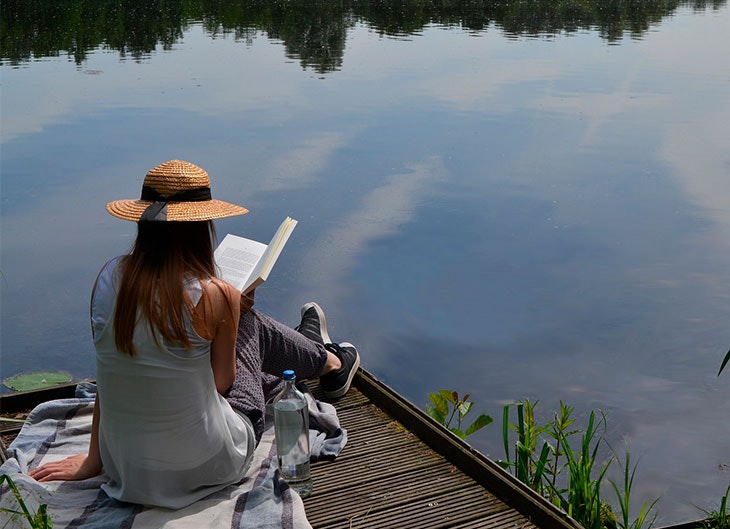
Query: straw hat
x,y
174,191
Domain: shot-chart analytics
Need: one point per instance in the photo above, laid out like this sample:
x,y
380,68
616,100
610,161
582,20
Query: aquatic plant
x,y
582,497
447,406
571,478
559,432
526,467
623,495
37,380
38,520
719,518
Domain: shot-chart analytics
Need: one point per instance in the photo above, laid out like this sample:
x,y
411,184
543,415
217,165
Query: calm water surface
x,y
541,214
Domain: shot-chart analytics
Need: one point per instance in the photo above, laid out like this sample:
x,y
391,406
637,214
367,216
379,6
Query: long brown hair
x,y
164,255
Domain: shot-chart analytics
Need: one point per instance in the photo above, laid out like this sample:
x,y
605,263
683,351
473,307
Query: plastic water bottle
x,y
291,429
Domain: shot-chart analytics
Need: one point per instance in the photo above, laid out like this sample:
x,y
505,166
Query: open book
x,y
246,264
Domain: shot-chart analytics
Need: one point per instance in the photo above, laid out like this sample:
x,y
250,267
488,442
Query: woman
x,y
182,357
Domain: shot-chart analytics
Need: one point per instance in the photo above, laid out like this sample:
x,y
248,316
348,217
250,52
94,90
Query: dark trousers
x,y
264,349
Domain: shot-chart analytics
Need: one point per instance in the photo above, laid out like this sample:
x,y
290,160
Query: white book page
x,y
272,251
236,257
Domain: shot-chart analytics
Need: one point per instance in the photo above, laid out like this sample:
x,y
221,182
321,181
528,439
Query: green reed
x,y
582,498
38,520
719,518
558,429
645,518
724,363
526,467
561,463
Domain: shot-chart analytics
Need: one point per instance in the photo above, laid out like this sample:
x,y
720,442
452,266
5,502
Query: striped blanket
x,y
60,428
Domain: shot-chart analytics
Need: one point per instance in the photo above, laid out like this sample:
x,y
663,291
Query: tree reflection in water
x,y
313,32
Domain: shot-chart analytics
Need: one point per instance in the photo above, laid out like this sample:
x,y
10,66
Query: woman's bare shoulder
x,y
220,301
217,283
219,290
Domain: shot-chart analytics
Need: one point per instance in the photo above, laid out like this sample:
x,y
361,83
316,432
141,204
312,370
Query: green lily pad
x,y
28,381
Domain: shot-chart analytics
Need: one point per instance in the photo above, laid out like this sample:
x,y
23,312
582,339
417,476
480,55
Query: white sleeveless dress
x,y
167,438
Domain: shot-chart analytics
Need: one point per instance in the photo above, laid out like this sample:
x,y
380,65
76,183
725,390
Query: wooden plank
x,y
342,500
429,511
512,520
27,400
694,524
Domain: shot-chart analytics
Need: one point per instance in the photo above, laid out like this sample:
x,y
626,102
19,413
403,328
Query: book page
x,y
236,257
271,253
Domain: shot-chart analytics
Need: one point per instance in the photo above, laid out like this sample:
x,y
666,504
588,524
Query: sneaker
x,y
336,383
313,324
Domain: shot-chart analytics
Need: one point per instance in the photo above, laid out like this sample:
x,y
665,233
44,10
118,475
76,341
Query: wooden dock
x,y
399,469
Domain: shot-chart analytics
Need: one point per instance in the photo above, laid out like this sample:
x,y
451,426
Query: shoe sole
x,y
344,389
322,320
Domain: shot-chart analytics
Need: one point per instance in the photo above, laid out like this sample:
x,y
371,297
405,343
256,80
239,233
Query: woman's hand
x,y
247,301
72,468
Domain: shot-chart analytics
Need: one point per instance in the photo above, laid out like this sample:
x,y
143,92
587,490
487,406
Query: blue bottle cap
x,y
288,375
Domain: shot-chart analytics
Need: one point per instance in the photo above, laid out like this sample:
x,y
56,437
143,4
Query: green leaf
x,y
540,466
458,433
450,396
504,464
505,431
465,407
724,363
29,381
479,423
440,402
435,414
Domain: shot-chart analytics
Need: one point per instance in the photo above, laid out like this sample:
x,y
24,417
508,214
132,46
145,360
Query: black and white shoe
x,y
314,324
336,383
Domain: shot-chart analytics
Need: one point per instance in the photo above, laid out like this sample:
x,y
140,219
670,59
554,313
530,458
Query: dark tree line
x,y
313,31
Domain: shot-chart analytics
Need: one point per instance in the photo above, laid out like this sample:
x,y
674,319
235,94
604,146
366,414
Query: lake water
x,y
514,202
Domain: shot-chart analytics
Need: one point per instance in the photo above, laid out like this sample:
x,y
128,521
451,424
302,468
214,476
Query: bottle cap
x,y
288,375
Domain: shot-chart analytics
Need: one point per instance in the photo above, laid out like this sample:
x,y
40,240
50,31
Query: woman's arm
x,y
222,324
77,467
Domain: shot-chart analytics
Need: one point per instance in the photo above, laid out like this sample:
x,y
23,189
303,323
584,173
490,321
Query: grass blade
x,y
724,363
